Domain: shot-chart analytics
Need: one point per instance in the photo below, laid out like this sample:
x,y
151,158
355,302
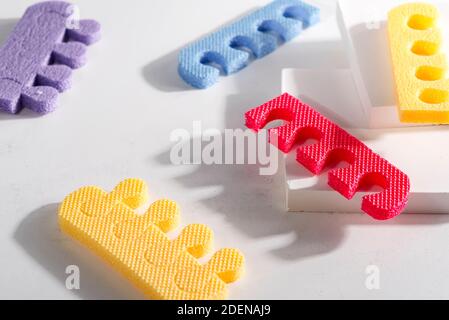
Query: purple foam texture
x,y
37,59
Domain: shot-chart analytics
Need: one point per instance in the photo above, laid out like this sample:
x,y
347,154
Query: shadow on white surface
x,y
264,73
39,235
23,114
162,74
373,53
253,204
263,80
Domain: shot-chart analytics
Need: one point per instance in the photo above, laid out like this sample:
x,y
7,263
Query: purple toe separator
x,y
36,61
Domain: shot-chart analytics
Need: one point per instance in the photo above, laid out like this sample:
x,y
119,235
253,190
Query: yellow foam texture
x,y
139,248
419,65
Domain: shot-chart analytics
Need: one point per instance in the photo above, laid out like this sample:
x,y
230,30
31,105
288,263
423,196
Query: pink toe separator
x,y
334,145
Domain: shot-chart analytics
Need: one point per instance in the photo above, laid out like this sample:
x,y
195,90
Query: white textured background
x,y
115,122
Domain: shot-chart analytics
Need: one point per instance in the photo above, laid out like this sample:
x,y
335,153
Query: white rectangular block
x,y
363,26
421,152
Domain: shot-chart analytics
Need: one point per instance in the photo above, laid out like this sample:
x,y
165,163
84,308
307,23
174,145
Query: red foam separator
x,y
334,145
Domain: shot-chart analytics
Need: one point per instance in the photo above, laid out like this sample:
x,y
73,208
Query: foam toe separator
x,y
139,248
37,58
256,32
334,145
419,65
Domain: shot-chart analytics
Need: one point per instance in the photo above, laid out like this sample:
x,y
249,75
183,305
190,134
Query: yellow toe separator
x,y
139,248
419,65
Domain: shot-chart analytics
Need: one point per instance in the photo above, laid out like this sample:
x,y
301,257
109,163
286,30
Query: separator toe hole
x,y
421,22
425,48
430,73
434,96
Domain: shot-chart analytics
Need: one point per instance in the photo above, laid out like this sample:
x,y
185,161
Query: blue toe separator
x,y
258,34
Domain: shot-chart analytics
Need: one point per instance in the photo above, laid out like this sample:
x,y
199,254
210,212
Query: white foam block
x,y
421,152
363,25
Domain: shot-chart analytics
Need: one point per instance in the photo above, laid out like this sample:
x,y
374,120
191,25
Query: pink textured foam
x,y
334,145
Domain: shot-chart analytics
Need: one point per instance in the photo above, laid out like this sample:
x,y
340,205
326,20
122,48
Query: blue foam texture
x,y
230,48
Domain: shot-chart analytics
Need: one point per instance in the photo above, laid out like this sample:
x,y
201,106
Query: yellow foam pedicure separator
x,y
139,248
419,66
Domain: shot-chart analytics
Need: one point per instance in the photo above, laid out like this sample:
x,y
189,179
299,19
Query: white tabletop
x,y
116,122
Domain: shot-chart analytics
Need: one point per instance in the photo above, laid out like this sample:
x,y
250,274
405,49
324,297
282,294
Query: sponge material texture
x,y
37,59
419,65
139,248
334,145
256,33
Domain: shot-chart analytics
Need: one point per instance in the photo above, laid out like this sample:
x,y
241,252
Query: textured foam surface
x,y
254,32
37,59
334,145
138,247
418,63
